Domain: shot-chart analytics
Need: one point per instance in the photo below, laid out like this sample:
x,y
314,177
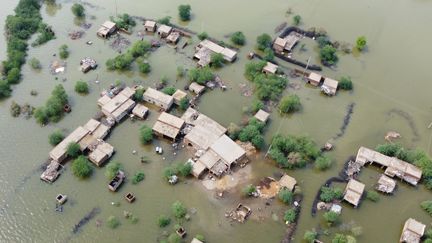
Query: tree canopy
x,y
184,12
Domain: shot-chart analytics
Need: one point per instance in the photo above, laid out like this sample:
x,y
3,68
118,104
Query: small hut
x,y
262,116
330,86
386,184
196,88
353,192
270,68
178,96
314,79
287,182
412,231
107,29
150,26
279,44
140,111
164,30
173,38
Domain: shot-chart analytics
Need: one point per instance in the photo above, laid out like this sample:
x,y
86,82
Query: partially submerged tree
x,y
361,43
331,217
310,236
184,12
290,104
81,87
286,196
345,83
146,134
203,35
111,169
163,221
56,137
178,209
81,167
264,41
78,10
238,38
323,162
328,55
290,216
296,19
73,149
217,60
249,190
64,52
113,222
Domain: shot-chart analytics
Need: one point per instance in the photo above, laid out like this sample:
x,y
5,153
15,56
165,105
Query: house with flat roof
x,y
262,116
228,150
107,29
168,126
101,153
164,30
140,111
118,106
59,153
412,231
198,169
287,182
206,47
270,68
173,37
314,78
150,26
178,96
353,192
196,88
329,86
158,98
279,44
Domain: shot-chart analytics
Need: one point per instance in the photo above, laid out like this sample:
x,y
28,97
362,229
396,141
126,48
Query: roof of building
x,y
101,131
314,77
229,54
354,191
291,40
158,96
92,125
192,116
164,29
280,41
209,159
196,88
120,111
97,156
195,240
262,116
103,100
114,103
86,141
173,36
331,83
179,94
165,129
198,168
412,231
140,110
211,46
227,149
60,150
202,136
149,23
171,120
288,182
270,68
386,184
106,148
108,24
127,92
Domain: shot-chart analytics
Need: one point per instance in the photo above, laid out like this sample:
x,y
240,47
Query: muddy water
x,y
392,74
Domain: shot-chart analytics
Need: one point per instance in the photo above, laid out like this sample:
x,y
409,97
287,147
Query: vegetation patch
x,y
184,12
78,10
286,196
124,21
252,132
56,137
111,169
372,196
201,75
427,206
124,61
263,41
138,177
54,107
345,83
113,222
178,210
238,38
331,217
290,104
290,216
146,134
81,167
81,87
163,221
329,194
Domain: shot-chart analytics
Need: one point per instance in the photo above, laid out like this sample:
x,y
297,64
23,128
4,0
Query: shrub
x,y
340,238
328,194
146,134
139,176
13,76
238,38
169,90
427,206
180,72
111,169
310,236
163,221
217,60
184,12
361,43
64,51
124,21
178,209
138,96
81,87
15,109
144,67
328,55
345,83
73,149
81,167
174,238
323,162
253,133
120,62
169,171
253,69
201,75
290,104
323,41
35,63
256,105
249,190
78,10
140,48
5,89
372,195
53,109
268,54
164,20
184,169
56,137
286,196
290,216
45,34
331,217
297,19
113,222
203,35
184,103
264,41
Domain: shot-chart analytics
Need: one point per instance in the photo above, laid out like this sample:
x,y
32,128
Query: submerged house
x,y
101,153
107,29
150,26
59,152
329,86
178,96
206,47
158,98
164,30
196,88
314,78
386,184
262,116
287,43
120,105
140,111
270,68
287,182
412,231
168,126
173,38
353,192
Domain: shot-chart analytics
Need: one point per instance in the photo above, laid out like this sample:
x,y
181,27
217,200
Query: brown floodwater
x,y
393,74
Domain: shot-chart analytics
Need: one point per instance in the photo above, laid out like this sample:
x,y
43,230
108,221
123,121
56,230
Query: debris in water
x,y
392,135
347,118
410,121
85,219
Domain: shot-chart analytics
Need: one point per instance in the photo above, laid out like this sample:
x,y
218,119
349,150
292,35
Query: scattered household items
x,y
391,135
329,86
140,111
386,184
173,179
74,35
353,192
61,199
240,214
270,68
52,172
262,116
158,98
158,150
107,29
336,208
164,30
119,43
412,231
150,26
130,197
88,64
115,183
206,47
251,55
168,126
181,232
57,67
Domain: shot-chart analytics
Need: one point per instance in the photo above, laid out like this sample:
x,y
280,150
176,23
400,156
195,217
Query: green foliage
x,y
178,209
217,60
310,236
169,171
169,90
323,41
13,76
340,238
56,137
200,237
144,67
174,238
249,190
184,103
323,162
111,169
81,167
140,48
163,221
290,104
233,131
45,34
331,217
63,52
203,35
124,21
139,176
427,206
113,222
264,41
361,43
345,83
184,12
328,55
253,132
81,87
286,196
268,54
180,72
201,75
5,89
329,194
35,63
121,62
267,87
184,169
428,233
256,105
146,134
238,38
53,109
73,149
296,19
78,10
372,195
138,96
253,69
290,216
15,109
164,20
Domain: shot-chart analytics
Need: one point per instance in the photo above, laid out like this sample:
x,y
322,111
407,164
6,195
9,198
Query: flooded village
x,y
201,121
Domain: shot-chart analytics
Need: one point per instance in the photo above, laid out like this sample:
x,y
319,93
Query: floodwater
x,y
391,75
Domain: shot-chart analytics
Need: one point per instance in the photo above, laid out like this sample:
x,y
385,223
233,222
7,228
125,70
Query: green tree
x,y
328,55
5,89
13,76
146,134
144,67
56,137
289,104
256,105
35,63
328,194
113,222
345,83
184,12
331,217
203,35
297,19
111,169
184,169
138,96
164,20
163,221
286,196
15,109
361,43
138,177
249,190
78,10
217,60
64,51
238,38
120,62
310,236
178,209
323,162
372,196
201,75
73,149
268,54
81,87
81,167
253,69
140,48
340,238
174,238
427,206
290,216
264,41
184,103
169,90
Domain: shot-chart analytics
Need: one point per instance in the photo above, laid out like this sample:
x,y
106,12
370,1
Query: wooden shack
x,y
412,231
150,26
158,98
107,29
353,192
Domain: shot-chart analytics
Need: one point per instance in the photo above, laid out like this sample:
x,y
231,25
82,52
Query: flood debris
x,y
89,216
61,199
408,118
347,119
52,172
245,89
391,135
88,64
76,34
120,43
57,67
239,214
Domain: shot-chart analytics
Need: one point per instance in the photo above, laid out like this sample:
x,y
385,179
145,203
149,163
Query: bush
x,y
203,35
323,41
56,137
45,34
256,106
217,60
15,109
5,89
180,72
253,69
163,221
372,196
169,90
268,54
139,176
184,104
144,67
238,38
111,169
184,12
164,20
328,55
323,162
78,10
35,63
340,238
264,41
53,109
178,209
81,167
64,51
124,21
286,196
169,171
146,134
73,149
120,62
174,238
361,43
328,194
253,133
200,237
201,75
345,83
310,236
290,104
427,206
184,169
13,76
138,96
113,222
297,19
331,217
249,190
140,48
290,216
81,87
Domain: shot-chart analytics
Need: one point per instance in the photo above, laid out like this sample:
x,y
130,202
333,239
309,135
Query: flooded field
x,y
391,93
